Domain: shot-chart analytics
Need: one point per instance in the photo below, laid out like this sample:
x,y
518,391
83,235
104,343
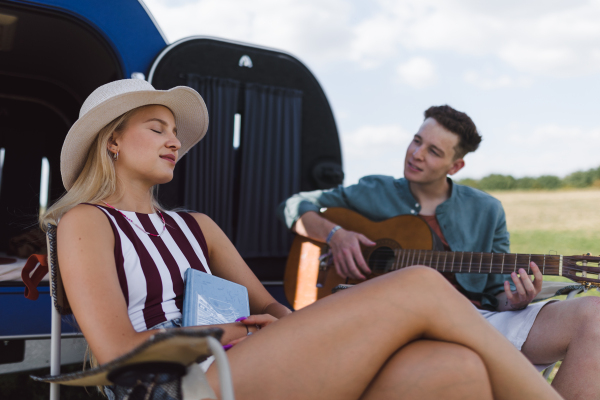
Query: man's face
x,y
430,156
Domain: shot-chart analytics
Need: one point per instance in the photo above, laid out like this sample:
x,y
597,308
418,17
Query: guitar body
x,y
302,268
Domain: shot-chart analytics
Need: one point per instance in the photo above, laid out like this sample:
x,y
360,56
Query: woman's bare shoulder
x,y
205,222
84,220
213,235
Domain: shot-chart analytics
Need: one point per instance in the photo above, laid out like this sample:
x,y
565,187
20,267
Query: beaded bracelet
x,y
334,230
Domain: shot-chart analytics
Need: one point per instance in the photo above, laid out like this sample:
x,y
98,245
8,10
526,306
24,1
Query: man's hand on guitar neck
x,y
526,290
345,245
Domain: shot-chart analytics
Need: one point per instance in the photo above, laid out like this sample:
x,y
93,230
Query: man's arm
x,y
345,245
300,213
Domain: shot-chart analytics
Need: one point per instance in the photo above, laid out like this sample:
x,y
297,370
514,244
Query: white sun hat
x,y
112,100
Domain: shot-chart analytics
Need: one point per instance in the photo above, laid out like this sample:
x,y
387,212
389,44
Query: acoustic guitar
x,y
407,240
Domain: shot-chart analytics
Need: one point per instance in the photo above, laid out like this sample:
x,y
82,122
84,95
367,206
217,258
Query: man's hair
x,y
458,123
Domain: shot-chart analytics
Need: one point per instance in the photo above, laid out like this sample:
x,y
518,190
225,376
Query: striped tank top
x,y
150,269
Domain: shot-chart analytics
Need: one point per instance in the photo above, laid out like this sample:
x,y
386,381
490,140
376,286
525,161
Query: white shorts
x,y
515,325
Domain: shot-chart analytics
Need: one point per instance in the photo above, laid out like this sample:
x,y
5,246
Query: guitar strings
x,y
510,261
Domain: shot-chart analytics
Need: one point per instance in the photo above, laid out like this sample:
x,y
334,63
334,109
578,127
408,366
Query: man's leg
x,y
569,330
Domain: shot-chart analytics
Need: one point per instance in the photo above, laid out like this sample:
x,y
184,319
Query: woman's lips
x,y
169,158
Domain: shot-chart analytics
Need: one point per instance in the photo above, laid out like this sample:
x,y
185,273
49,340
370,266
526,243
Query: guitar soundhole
x,y
381,260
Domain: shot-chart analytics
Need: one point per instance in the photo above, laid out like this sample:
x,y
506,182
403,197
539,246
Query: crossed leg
x,y
336,347
428,369
569,330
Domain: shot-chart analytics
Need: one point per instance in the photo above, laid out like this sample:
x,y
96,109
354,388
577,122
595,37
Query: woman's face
x,y
147,146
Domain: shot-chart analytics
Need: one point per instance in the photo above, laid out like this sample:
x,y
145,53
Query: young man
x,y
466,220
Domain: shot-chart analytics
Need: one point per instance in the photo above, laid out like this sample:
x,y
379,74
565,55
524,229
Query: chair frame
x,y
58,309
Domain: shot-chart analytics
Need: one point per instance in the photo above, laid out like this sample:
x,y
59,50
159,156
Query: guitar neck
x,y
478,263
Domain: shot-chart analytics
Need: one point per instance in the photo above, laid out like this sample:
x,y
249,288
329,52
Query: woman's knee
x,y
427,367
420,275
453,358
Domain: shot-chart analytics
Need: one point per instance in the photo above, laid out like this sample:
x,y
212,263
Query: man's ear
x,y
457,165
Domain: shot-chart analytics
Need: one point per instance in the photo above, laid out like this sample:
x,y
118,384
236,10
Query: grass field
x,y
563,222
558,222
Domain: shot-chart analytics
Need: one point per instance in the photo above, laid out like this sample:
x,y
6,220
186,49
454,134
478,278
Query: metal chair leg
x,y
55,351
223,367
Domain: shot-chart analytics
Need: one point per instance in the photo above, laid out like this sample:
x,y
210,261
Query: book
x,y
210,300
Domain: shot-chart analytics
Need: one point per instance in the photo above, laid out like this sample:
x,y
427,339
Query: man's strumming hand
x,y
347,256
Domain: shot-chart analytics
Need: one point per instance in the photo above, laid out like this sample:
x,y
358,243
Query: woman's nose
x,y
174,143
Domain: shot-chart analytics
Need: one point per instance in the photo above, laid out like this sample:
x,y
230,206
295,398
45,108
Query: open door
x,y
271,134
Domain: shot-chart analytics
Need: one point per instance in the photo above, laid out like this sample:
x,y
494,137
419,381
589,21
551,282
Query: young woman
x,y
122,259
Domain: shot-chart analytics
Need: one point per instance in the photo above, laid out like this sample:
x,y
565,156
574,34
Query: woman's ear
x,y
112,145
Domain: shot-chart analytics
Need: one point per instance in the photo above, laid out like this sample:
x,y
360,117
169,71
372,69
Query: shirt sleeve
x,y
293,208
360,197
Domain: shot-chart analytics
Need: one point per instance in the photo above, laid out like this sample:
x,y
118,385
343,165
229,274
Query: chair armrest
x,y
551,289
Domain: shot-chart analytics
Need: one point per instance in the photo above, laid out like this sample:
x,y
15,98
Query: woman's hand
x,y
253,323
259,320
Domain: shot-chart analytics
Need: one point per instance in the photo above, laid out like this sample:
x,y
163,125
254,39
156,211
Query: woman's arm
x,y
86,257
227,263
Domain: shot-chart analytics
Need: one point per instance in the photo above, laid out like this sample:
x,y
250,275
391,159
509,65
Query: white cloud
x,y
564,139
547,37
418,72
374,149
488,81
316,31
555,38
371,141
548,149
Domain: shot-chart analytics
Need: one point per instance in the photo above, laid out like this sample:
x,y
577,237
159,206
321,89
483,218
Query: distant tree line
x,y
579,179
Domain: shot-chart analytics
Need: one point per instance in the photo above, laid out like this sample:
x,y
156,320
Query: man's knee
x,y
588,313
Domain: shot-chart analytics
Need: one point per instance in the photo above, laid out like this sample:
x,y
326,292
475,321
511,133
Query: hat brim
x,y
179,346
191,119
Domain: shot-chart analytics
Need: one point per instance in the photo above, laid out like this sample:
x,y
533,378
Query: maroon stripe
x,y
167,257
197,231
119,261
183,243
153,312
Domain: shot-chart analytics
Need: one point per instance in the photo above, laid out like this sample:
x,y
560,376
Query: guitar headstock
x,y
584,269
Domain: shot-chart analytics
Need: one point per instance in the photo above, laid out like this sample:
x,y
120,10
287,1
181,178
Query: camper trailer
x,y
271,134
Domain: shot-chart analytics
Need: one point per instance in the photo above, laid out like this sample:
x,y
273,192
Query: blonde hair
x,y
97,180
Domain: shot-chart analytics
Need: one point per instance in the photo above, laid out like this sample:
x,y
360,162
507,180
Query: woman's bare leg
x,y
334,348
427,369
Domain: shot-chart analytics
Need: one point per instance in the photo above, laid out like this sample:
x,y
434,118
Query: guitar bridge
x,y
325,261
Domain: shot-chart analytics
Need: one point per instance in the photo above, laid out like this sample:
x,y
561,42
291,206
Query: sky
x,y
526,72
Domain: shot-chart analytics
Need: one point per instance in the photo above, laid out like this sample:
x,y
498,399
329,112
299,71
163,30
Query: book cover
x,y
210,300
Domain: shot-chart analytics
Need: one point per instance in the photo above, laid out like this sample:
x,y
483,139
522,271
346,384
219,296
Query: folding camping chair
x,y
161,360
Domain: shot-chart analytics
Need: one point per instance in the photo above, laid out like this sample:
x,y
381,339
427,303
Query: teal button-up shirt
x,y
470,220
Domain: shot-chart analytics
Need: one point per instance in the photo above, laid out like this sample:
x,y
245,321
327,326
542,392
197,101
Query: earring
x,y
116,155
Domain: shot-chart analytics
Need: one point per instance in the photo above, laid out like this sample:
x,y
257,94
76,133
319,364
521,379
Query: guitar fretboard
x,y
484,263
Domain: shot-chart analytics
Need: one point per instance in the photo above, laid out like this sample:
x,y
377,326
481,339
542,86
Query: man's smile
x,y
413,167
